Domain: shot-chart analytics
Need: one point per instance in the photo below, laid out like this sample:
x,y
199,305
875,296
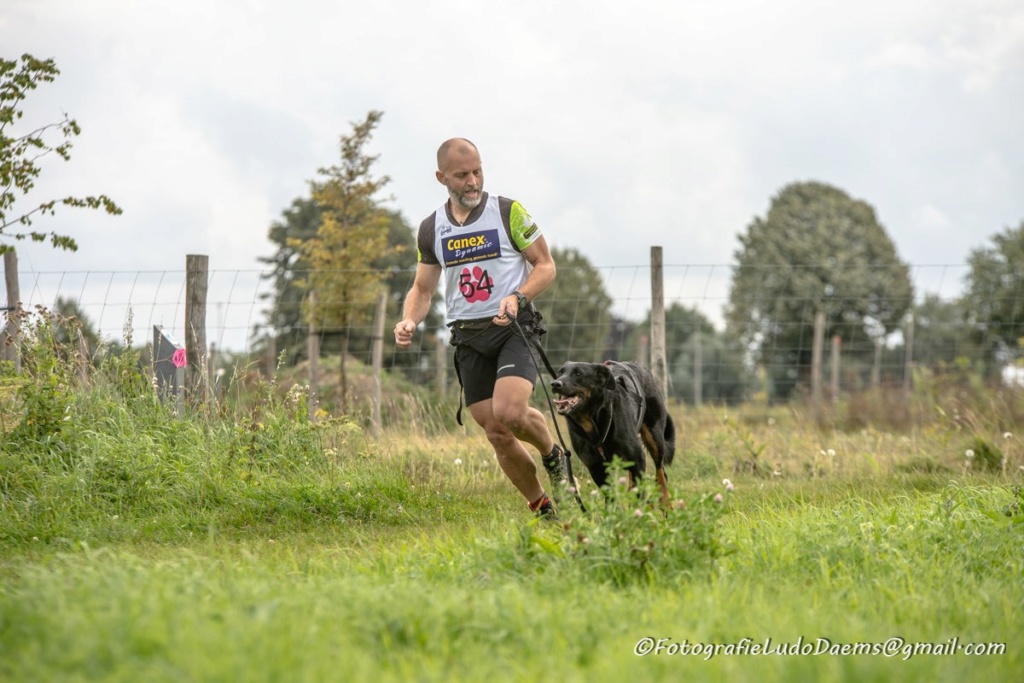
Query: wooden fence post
x,y
211,370
9,349
441,366
908,364
82,359
197,268
377,358
698,369
659,365
313,347
837,345
876,366
270,363
817,351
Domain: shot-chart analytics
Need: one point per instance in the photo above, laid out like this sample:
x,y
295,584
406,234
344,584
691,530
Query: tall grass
x,y
250,544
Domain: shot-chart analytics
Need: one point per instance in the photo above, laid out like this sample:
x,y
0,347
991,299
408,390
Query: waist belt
x,y
473,324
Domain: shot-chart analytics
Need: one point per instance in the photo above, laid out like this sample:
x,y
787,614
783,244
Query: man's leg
x,y
511,407
512,456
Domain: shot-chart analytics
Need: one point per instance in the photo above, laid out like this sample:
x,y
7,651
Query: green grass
x,y
462,587
257,547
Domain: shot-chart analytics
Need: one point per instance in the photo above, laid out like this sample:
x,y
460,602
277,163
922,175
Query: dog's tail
x,y
670,440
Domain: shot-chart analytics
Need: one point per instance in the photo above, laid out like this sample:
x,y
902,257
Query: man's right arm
x,y
417,302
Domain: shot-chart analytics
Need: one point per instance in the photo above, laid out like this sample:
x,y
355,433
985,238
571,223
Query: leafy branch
x,y
20,155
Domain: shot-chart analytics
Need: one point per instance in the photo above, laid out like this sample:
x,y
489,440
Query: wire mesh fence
x,y
253,311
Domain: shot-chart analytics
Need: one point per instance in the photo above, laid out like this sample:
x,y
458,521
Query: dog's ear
x,y
604,376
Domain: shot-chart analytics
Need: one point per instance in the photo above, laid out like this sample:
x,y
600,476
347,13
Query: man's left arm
x,y
539,279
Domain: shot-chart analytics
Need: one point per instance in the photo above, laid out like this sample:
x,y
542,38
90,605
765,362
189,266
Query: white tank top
x,y
482,259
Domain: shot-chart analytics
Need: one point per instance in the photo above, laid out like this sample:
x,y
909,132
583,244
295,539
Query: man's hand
x,y
404,331
507,311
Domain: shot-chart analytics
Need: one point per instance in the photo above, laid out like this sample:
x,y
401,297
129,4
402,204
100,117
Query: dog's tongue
x,y
566,403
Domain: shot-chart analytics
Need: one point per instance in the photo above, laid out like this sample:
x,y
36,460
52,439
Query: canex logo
x,y
465,242
468,248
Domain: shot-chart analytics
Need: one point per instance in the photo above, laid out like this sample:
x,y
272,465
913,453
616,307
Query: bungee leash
x,y
551,409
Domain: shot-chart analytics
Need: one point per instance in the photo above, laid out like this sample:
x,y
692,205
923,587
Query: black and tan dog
x,y
616,409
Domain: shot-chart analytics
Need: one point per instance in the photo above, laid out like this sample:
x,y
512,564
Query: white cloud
x,y
979,43
619,125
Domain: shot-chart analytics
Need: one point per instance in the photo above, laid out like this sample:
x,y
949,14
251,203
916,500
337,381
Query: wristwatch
x,y
521,299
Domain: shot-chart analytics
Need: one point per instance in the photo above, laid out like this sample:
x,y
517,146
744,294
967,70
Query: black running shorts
x,y
489,351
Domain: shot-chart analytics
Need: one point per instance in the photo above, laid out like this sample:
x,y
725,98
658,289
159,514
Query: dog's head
x,y
579,385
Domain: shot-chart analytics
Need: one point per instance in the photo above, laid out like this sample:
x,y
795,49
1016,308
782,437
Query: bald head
x,y
452,149
459,170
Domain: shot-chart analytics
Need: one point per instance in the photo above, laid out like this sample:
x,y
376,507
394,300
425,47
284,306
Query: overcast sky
x,y
619,125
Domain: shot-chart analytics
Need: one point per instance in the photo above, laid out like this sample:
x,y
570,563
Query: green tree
x,y
353,232
73,328
816,250
289,272
396,267
21,154
724,377
995,295
576,310
941,337
680,324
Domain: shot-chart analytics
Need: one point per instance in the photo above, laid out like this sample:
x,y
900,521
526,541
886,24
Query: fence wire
x,y
121,305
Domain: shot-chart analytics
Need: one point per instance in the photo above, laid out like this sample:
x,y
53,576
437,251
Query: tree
x,y
723,374
20,155
941,339
396,265
353,232
289,271
724,378
680,324
576,310
73,328
816,250
995,295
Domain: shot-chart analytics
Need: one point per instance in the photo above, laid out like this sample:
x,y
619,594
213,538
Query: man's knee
x,y
512,416
500,437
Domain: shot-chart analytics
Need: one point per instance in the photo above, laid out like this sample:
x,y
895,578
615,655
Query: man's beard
x,y
460,199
